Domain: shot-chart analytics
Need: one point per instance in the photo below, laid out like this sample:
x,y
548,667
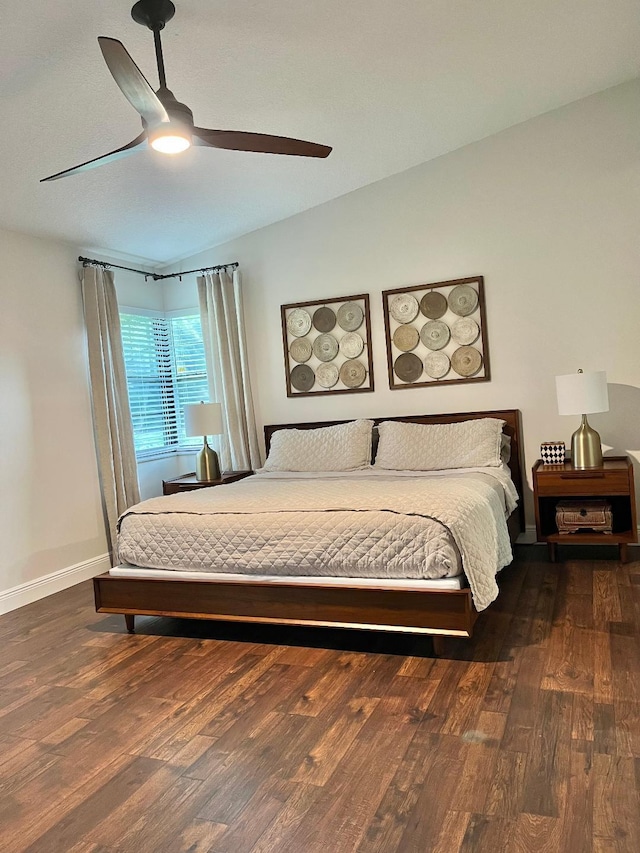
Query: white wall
x,y
547,211
50,509
136,291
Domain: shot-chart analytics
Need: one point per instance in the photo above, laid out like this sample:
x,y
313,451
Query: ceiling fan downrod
x,y
155,14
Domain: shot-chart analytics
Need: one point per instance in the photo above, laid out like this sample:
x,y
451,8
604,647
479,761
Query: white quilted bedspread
x,y
382,527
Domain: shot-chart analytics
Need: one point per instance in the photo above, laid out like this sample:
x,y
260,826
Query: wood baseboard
x,y
33,590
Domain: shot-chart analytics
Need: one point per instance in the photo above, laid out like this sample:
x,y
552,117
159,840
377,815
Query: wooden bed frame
x,y
439,613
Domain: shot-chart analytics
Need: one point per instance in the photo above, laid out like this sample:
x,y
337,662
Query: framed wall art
x,y
436,333
327,346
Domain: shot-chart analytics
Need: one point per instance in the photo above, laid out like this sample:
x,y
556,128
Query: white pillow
x,y
344,447
432,447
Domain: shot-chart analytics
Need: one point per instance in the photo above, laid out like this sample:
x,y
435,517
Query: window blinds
x,y
165,364
191,384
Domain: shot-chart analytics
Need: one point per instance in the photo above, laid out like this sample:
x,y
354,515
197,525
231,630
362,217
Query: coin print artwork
x,y
408,367
437,365
327,374
436,333
406,338
404,308
351,345
433,305
298,322
466,361
350,316
324,319
303,377
300,350
327,346
463,300
465,331
353,373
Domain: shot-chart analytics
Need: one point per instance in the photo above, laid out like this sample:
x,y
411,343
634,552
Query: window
x,y
191,384
166,368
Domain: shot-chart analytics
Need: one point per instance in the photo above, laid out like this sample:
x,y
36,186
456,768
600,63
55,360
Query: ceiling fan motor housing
x,y
177,110
180,115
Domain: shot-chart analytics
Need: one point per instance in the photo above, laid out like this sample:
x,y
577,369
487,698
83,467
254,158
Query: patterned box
x,y
552,452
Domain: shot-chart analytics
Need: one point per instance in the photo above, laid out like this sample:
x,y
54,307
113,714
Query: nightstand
x,y
188,482
613,481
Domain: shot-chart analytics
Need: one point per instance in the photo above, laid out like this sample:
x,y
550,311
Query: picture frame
x,y
327,346
436,333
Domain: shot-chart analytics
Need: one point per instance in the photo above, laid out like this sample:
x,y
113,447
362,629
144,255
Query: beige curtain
x,y
222,319
111,414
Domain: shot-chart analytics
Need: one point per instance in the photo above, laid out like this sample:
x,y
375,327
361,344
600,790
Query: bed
x,y
268,588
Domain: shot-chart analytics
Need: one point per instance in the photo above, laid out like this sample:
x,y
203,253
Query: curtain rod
x,y
155,276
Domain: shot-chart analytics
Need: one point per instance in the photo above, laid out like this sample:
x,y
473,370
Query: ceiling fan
x,y
167,124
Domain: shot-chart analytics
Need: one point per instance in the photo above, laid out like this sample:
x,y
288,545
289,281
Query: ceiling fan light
x,y
171,143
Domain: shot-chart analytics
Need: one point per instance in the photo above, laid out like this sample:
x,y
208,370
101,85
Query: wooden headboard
x,y
512,428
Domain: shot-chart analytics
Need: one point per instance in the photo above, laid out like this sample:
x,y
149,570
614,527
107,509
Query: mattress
x,y
369,524
457,582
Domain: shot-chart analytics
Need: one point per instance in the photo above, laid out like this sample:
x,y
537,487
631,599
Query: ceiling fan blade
x,y
132,82
130,148
236,140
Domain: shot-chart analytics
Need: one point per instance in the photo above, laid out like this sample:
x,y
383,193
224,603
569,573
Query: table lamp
x,y
583,394
204,419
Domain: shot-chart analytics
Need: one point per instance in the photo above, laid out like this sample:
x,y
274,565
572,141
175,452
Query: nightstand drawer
x,y
583,483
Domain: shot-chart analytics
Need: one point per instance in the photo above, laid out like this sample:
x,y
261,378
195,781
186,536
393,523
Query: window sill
x,y
166,454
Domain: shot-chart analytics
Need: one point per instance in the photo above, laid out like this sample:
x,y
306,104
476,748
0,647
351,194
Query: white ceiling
x,y
387,83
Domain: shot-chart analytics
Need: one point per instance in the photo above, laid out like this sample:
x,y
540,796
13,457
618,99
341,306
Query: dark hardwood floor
x,y
206,738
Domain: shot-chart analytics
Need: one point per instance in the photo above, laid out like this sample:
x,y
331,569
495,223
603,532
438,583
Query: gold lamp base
x,y
586,448
207,465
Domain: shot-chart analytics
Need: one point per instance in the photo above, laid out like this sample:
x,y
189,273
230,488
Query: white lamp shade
x,y
582,393
203,419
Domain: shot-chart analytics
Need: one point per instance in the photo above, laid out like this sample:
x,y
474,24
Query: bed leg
x,y
130,620
438,645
